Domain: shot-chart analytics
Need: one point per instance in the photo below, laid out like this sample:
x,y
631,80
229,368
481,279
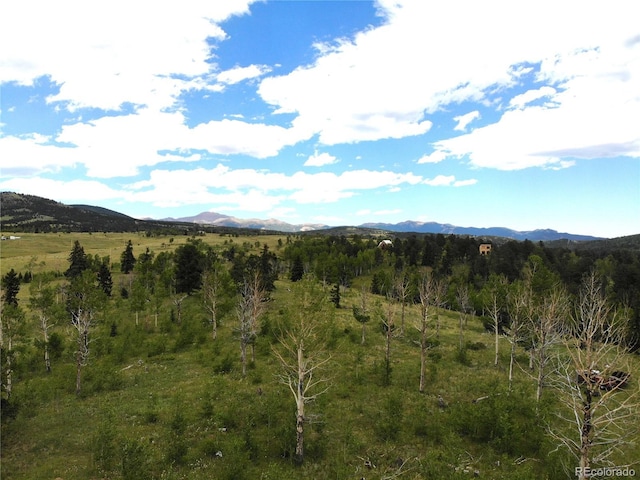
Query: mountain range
x,y
217,219
22,213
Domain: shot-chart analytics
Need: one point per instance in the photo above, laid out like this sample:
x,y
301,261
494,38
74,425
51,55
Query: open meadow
x,y
164,397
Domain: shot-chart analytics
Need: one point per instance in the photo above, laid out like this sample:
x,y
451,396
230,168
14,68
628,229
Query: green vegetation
x,y
214,356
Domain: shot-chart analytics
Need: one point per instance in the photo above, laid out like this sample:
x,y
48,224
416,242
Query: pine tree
x,y
127,260
104,277
189,262
297,269
78,261
335,295
11,287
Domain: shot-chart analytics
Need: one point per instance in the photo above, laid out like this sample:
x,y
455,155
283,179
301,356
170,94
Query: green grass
x,y
40,252
163,401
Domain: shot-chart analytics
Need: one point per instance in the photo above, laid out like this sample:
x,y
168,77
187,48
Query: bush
x,y
506,420
475,346
389,423
104,447
135,464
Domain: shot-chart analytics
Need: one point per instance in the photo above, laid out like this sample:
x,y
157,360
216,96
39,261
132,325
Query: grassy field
x,y
166,401
50,251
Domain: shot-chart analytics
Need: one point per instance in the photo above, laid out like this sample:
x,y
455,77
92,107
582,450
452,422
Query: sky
x,y
523,115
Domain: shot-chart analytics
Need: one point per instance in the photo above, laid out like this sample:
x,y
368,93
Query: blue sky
x,y
516,114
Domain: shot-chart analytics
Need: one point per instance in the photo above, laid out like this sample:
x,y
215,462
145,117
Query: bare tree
x,y
250,307
42,302
426,291
402,285
302,357
216,285
520,307
494,304
544,327
83,301
590,380
462,295
11,323
361,313
439,291
177,300
388,323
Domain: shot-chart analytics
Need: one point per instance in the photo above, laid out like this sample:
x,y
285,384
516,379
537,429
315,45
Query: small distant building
x,y
485,248
385,245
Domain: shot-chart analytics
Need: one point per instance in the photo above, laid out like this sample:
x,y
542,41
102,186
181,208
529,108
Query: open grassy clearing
x,y
39,252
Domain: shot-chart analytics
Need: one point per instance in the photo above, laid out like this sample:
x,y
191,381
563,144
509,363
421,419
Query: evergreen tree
x,y
11,286
297,269
78,261
267,269
189,263
335,295
127,260
104,277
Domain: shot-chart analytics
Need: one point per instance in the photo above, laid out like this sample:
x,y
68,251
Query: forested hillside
x,y
318,356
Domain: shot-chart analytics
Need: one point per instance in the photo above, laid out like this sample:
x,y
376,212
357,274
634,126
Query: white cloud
x,y
320,160
465,120
448,181
103,54
239,188
440,181
465,183
118,146
435,157
239,74
387,81
520,101
74,191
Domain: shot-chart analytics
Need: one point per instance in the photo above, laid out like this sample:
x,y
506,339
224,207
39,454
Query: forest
x,y
133,356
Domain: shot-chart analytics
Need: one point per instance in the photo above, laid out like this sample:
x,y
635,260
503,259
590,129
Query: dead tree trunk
x,y
301,357
425,292
595,408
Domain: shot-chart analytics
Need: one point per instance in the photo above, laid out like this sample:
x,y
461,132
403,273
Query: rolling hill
x,y
30,213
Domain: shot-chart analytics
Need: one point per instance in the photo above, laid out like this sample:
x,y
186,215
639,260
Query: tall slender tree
x,y
42,302
104,277
302,356
83,303
127,259
426,289
217,291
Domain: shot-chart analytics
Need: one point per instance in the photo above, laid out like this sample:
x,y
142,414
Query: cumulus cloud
x,y
448,181
73,191
320,160
238,188
465,120
239,74
435,157
386,82
520,101
98,54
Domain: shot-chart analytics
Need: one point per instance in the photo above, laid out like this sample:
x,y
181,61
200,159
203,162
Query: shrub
x,y
104,446
135,464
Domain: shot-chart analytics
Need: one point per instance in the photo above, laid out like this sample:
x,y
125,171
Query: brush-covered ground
x,y
162,400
